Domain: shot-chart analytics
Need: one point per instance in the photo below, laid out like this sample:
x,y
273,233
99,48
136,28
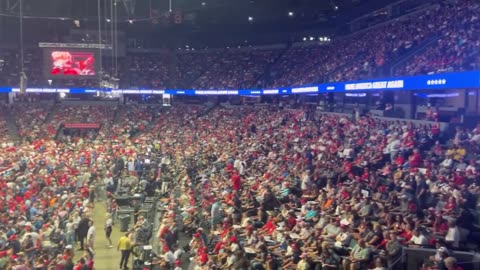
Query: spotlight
x,y
108,20
312,38
204,4
130,21
290,14
250,19
304,39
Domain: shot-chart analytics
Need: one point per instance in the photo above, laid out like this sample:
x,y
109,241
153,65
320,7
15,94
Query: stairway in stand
x,y
11,125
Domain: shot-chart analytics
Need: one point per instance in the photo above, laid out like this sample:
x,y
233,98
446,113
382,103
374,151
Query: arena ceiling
x,y
202,13
204,18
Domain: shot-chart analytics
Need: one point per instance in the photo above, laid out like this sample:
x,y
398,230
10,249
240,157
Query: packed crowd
x,y
237,69
34,115
456,49
308,191
262,187
145,70
192,64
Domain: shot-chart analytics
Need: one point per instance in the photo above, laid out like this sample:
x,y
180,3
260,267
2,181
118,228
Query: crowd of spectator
x,y
237,69
192,64
145,71
456,49
301,190
260,187
33,115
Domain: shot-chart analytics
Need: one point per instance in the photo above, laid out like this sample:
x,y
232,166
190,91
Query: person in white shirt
x,y
170,257
471,166
305,182
453,234
393,147
108,229
447,162
178,252
418,239
91,235
344,237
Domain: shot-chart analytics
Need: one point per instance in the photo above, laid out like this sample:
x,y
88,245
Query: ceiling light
x,y
130,21
335,8
321,38
312,38
250,19
290,14
108,20
204,4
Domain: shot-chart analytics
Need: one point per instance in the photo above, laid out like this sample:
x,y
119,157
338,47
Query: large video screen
x,y
71,63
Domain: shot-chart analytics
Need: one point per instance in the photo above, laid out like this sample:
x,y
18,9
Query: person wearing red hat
x,y
178,265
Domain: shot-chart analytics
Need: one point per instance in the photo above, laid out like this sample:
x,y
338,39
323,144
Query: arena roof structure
x,y
188,18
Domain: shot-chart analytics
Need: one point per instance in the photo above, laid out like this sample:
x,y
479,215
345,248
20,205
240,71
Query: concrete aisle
x,y
105,258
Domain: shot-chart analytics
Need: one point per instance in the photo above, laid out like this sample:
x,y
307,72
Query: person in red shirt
x,y
236,181
80,264
450,206
291,221
439,225
415,160
202,258
269,227
459,178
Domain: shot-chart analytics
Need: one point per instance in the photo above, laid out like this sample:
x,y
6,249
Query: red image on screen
x,y
72,63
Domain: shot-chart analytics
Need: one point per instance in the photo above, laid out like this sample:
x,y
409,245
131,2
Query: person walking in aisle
x,y
125,246
91,235
82,230
108,229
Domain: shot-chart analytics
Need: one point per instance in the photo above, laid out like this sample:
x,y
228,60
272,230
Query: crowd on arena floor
x,y
262,188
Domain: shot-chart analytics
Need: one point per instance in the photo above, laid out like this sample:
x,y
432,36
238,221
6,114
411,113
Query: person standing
x,y
70,231
82,232
108,229
91,235
125,247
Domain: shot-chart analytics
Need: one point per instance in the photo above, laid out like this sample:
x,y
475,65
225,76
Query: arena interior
x,y
239,135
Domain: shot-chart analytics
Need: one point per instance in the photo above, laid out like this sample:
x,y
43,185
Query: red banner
x,y
81,125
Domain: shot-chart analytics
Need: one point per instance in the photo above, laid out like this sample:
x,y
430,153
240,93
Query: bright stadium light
x,y
250,19
304,39
290,14
312,38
